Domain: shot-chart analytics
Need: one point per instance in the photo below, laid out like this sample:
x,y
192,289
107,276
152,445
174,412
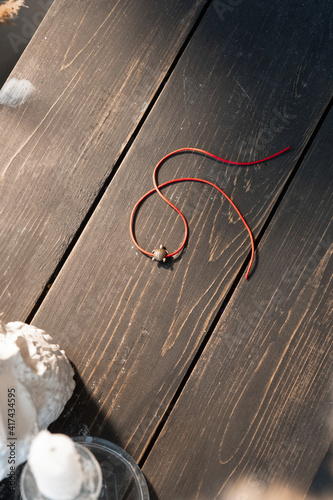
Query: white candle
x,y
55,466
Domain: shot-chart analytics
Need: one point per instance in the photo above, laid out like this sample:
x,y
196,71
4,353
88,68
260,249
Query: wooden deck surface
x,y
202,376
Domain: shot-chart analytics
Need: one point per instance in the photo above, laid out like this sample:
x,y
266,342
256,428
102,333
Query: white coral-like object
x,y
36,381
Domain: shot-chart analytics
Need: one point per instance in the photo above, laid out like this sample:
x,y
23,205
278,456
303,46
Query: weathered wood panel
x,y
259,400
96,67
132,327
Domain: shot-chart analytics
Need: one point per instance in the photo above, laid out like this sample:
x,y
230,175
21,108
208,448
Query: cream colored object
x,y
55,466
258,490
9,10
36,381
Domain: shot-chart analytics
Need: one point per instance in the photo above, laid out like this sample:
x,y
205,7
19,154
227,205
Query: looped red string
x,y
195,179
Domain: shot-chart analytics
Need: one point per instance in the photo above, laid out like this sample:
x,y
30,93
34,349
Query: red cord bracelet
x,y
161,254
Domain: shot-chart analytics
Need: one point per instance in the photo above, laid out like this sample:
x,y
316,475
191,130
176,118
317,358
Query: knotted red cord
x,y
195,179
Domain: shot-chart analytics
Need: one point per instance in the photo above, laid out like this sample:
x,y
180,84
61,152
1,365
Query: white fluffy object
x,y
16,92
36,381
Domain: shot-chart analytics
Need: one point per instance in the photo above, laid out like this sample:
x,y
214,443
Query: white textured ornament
x,y
36,381
55,465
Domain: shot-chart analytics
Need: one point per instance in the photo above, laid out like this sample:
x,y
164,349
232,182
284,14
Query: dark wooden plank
x,y
95,66
259,400
132,327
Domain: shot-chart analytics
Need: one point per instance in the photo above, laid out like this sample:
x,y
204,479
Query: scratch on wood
x,y
244,91
185,100
64,65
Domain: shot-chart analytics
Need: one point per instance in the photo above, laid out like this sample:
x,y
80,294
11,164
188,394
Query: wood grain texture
x,y
96,67
259,400
132,327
